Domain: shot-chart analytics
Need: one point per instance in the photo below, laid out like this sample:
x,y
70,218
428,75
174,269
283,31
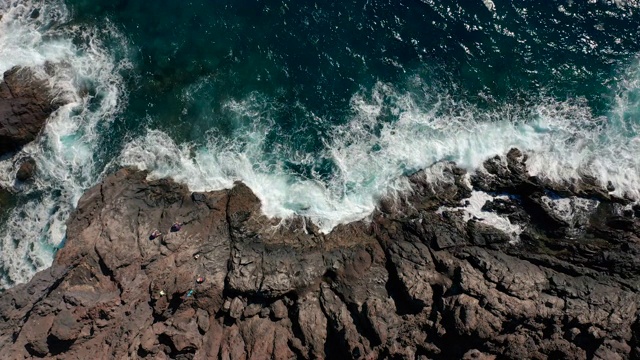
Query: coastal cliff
x,y
423,278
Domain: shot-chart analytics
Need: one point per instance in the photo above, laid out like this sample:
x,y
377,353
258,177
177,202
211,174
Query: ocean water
x,y
320,107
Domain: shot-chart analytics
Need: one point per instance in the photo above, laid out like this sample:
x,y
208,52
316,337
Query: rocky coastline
x,y
498,264
26,103
420,279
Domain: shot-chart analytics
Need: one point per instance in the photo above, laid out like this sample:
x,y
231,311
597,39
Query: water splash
x,y
392,133
83,74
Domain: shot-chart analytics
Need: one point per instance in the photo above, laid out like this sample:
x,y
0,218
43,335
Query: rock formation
x,y
25,105
422,279
26,170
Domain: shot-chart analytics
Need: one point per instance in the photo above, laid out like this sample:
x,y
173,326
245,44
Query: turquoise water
x,y
319,107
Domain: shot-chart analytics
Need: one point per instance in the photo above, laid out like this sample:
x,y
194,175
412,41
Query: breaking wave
x,y
392,133
80,70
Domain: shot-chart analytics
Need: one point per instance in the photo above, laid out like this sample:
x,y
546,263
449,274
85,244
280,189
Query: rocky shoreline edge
x,y
497,264
424,278
26,102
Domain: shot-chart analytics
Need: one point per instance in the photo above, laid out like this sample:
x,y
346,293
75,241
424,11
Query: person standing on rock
x,y
176,226
154,234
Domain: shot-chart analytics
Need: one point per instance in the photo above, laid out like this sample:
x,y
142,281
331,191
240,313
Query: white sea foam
x,y
22,42
572,210
491,6
81,72
563,139
472,208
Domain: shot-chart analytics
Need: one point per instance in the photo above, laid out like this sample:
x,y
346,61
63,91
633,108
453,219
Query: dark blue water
x,y
310,58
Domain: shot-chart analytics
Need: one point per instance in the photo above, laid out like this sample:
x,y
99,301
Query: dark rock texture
x,y
6,200
27,169
25,105
412,283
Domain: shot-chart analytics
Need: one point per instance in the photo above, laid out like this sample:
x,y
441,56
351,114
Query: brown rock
x,y
279,310
412,282
476,354
36,338
313,324
25,105
65,326
236,308
203,320
252,310
26,170
148,340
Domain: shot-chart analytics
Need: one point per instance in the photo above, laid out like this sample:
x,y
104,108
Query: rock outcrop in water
x,y
25,105
424,279
26,170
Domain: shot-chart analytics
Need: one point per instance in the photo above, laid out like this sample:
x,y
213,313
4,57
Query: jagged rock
x,y
203,320
279,310
313,324
252,310
25,104
504,173
236,308
26,170
419,280
475,354
65,326
35,339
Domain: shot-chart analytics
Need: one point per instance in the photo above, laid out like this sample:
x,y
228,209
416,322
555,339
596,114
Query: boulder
x,y
25,104
27,170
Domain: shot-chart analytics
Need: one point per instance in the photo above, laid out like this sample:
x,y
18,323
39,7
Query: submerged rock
x,y
27,170
6,199
25,104
422,280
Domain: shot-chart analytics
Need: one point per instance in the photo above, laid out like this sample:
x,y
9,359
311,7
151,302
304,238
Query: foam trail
x,y
563,138
87,77
472,209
